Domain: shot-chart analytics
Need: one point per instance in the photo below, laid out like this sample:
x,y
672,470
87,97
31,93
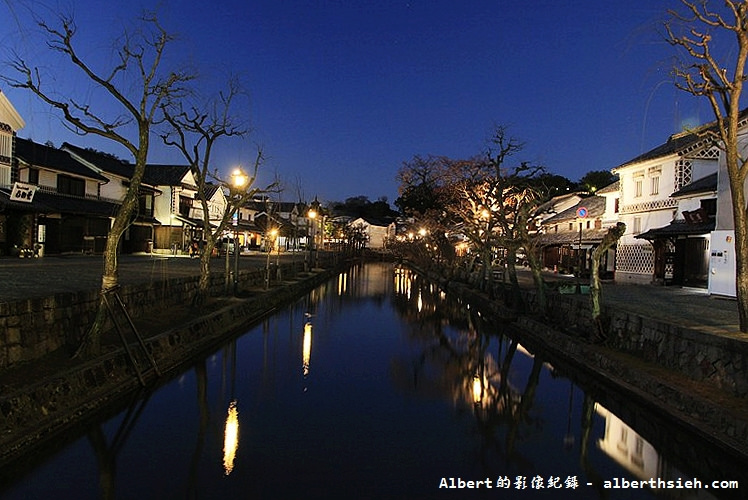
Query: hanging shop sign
x,y
22,192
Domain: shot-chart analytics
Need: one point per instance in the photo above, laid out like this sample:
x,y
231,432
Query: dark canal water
x,y
377,385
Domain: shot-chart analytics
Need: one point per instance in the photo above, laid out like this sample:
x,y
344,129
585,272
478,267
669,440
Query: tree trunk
x,y
511,268
610,239
486,283
740,217
203,287
537,278
91,342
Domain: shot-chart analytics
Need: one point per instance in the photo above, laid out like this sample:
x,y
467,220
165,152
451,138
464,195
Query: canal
x,y
378,385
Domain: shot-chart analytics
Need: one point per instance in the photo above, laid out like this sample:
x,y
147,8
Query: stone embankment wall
x,y
42,410
33,328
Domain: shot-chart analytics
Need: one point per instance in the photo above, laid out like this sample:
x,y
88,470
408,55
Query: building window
x,y
589,224
638,186
33,176
6,143
185,204
683,170
616,205
145,205
637,225
71,185
655,185
571,226
709,206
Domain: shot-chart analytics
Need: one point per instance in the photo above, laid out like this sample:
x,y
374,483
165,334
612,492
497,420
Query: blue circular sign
x,y
582,212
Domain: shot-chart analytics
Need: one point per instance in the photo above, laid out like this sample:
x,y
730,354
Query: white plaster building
x,y
722,266
645,203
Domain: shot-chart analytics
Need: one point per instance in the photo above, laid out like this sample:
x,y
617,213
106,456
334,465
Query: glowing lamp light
x,y
238,178
477,390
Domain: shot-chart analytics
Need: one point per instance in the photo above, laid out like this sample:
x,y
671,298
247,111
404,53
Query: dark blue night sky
x,y
340,93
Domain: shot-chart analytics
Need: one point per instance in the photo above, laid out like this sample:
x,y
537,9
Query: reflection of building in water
x,y
636,455
627,447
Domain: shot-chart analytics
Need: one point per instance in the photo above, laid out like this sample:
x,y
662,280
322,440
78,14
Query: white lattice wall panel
x,y
635,259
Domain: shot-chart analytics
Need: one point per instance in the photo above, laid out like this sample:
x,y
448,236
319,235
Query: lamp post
x,y
238,181
312,214
273,232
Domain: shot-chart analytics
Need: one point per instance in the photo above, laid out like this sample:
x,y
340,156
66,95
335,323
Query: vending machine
x,y
722,264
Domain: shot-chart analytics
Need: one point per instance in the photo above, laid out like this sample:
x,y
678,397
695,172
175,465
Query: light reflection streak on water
x,y
230,438
307,348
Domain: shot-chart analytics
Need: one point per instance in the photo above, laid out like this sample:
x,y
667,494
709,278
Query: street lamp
x,y
312,214
238,182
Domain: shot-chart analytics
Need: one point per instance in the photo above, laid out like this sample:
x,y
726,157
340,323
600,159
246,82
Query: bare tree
x,y
136,86
704,72
194,131
515,199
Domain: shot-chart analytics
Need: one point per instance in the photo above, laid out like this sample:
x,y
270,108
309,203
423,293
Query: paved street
x,y
688,307
24,278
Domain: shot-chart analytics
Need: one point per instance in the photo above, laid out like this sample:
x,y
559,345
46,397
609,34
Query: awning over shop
x,y
678,228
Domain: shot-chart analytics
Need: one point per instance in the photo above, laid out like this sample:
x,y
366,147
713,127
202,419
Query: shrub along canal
x,y
378,385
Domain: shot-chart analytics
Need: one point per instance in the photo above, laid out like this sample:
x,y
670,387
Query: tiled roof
x,y
544,207
165,175
610,188
104,161
40,155
49,203
678,228
703,185
210,189
678,143
595,206
589,236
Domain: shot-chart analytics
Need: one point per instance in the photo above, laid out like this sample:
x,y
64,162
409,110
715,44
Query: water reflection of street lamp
x,y
230,438
238,182
306,350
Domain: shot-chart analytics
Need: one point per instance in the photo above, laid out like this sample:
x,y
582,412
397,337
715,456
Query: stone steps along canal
x,y
374,385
